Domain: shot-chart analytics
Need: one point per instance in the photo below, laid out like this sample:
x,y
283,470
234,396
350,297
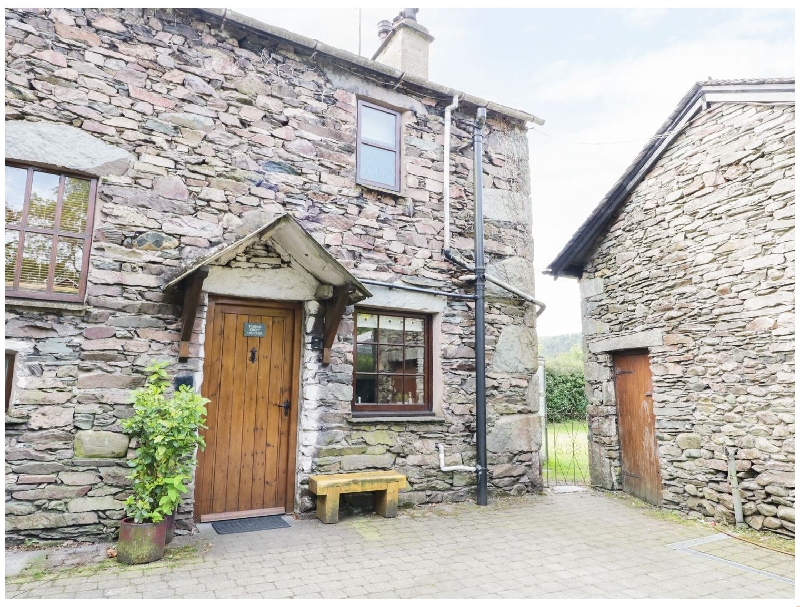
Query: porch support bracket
x,y
334,310
193,287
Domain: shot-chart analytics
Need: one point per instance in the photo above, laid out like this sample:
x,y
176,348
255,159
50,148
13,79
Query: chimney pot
x,y
409,13
384,28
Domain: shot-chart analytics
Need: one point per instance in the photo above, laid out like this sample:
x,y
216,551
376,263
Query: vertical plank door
x,y
641,474
249,375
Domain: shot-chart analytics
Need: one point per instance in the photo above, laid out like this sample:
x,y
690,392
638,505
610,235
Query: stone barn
x,y
686,272
268,214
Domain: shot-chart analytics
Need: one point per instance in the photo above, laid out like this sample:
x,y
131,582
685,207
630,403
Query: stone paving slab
x,y
574,545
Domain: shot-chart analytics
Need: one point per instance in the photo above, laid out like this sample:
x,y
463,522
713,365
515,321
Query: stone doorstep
x,y
568,489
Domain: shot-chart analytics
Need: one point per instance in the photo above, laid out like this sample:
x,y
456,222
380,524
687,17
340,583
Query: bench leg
x,y
386,501
328,507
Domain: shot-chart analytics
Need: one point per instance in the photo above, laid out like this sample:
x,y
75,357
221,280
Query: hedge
x,y
566,397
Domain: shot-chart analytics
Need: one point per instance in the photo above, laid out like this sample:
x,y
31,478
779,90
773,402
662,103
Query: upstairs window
x,y
378,151
48,233
392,364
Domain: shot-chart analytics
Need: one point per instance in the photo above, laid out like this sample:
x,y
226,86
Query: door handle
x,y
285,406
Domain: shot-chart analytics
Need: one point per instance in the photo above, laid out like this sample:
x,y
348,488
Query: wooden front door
x,y
250,377
641,474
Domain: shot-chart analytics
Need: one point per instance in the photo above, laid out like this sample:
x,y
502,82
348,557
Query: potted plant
x,y
167,434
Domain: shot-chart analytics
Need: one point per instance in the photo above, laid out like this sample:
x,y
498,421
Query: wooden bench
x,y
385,484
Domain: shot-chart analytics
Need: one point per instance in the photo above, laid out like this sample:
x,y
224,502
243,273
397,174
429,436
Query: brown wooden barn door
x,y
641,474
247,468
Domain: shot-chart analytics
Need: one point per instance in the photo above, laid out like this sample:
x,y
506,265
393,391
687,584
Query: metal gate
x,y
565,442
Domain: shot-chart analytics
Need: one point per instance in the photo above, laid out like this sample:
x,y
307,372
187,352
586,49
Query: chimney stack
x,y
404,44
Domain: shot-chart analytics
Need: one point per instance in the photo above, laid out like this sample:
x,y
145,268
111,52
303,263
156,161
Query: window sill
x,y
394,419
377,188
41,304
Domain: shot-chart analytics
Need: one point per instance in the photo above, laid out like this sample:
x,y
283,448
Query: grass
x,y
765,539
567,453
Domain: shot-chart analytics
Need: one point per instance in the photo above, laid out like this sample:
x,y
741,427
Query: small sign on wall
x,y
255,329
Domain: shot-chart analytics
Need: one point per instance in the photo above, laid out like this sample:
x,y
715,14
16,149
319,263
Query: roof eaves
x,y
313,45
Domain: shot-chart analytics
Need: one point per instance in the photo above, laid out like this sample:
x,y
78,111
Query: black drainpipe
x,y
480,320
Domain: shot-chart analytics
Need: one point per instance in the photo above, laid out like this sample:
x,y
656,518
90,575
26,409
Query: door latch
x,y
285,406
253,355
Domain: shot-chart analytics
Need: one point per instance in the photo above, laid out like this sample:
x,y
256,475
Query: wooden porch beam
x,y
334,310
193,287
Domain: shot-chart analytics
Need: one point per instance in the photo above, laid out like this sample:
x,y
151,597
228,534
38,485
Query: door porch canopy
x,y
291,239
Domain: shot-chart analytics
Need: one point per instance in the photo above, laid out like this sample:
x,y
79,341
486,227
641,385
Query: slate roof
x,y
569,262
360,64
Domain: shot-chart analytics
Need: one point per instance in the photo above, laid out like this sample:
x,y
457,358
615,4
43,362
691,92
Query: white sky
x,y
596,76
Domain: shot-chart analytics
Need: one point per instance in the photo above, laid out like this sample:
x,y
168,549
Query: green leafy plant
x,y
564,382
167,432
566,396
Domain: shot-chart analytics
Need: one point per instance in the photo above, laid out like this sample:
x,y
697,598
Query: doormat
x,y
242,525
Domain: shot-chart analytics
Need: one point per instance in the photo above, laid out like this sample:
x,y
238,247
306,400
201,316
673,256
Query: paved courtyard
x,y
569,545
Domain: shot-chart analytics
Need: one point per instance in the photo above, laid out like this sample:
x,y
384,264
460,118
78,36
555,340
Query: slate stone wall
x,y
699,266
198,134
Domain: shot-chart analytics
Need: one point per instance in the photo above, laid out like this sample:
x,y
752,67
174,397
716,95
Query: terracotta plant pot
x,y
170,527
141,542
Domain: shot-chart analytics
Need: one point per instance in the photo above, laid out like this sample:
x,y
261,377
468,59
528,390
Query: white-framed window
x,y
378,146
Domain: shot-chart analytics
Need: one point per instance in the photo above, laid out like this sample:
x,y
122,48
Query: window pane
x,y
390,389
415,331
35,262
365,389
75,207
15,193
379,126
390,359
12,246
391,330
414,390
375,164
367,327
415,360
365,357
69,258
42,206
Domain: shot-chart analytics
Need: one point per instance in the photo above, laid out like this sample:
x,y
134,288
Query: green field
x,y
567,454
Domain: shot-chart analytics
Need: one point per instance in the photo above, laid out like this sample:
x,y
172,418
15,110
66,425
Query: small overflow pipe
x,y
440,447
447,117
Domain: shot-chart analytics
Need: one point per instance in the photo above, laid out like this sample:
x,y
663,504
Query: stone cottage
x,y
686,273
267,213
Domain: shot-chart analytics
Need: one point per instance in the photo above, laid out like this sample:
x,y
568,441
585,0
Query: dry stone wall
x,y
700,264
198,134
